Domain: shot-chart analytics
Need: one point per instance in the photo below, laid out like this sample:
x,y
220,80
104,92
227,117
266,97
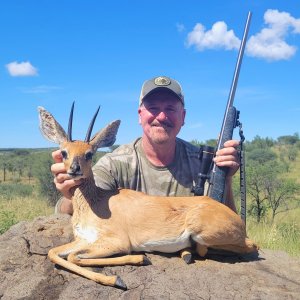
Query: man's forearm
x,y
64,206
229,201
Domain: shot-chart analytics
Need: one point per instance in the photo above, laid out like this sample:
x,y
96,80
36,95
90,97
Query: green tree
x,y
260,143
292,152
256,174
288,139
261,155
279,192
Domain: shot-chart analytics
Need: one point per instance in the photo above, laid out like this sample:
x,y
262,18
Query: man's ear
x,y
139,112
183,116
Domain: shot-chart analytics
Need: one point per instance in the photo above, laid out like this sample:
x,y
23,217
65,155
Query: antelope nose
x,y
75,168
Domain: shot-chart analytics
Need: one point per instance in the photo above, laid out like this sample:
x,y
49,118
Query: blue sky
x,y
100,53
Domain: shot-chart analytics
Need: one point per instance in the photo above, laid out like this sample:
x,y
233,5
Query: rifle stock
x,y
218,174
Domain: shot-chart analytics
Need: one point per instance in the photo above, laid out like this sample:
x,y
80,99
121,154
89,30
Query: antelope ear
x,y
105,137
50,128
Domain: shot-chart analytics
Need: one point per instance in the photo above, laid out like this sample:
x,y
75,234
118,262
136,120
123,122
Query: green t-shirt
x,y
128,167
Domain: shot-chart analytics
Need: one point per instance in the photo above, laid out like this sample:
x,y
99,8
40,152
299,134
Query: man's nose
x,y
162,115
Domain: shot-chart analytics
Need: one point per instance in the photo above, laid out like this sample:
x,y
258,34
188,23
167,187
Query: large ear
x,y
105,137
50,128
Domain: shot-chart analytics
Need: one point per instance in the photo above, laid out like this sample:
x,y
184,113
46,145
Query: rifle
x,y
217,175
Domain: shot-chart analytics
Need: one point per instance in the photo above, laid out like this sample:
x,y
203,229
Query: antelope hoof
x,y
188,258
146,261
120,284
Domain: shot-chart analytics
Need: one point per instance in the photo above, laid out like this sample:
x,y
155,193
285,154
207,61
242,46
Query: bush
x,y
47,187
7,219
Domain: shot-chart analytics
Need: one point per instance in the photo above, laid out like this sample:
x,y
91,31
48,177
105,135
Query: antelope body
x,y
107,223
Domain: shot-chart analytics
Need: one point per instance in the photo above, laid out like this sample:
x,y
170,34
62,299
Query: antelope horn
x,y
89,132
70,124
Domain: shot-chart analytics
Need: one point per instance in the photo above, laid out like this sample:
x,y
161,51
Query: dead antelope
x,y
107,223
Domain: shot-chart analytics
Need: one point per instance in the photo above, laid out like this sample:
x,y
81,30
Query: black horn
x,y
70,124
89,132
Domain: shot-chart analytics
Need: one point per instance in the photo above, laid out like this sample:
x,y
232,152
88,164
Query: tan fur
x,y
107,223
126,221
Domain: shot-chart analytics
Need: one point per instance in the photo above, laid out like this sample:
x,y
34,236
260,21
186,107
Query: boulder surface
x,y
27,273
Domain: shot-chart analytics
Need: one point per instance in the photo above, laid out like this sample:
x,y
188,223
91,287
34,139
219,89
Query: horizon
x,y
95,53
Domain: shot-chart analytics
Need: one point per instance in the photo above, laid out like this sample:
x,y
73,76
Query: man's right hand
x,y
63,181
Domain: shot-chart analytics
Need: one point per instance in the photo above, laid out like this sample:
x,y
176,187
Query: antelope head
x,y
77,155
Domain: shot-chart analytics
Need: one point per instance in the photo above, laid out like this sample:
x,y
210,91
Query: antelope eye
x,y
64,154
88,155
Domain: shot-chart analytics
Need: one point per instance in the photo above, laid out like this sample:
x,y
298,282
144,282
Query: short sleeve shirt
x,y
128,167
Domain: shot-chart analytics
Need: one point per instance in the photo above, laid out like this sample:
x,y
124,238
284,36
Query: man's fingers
x,y
65,186
228,163
224,158
227,151
58,168
231,143
62,177
57,157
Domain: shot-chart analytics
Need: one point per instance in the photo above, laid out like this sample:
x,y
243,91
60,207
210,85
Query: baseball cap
x,y
161,83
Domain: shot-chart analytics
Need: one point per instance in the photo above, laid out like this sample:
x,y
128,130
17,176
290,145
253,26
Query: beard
x,y
161,132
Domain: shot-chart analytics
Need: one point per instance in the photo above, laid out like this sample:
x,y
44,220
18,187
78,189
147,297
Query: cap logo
x,y
162,81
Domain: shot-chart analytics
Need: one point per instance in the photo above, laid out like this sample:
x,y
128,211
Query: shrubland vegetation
x,y
272,181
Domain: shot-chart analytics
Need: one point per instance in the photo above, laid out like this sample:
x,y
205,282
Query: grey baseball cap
x,y
161,83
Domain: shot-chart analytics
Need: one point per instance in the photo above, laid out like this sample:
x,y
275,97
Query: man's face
x,y
161,116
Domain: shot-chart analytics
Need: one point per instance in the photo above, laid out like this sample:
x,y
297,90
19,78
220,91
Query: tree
x,y
288,139
256,174
261,155
4,171
279,191
292,152
260,143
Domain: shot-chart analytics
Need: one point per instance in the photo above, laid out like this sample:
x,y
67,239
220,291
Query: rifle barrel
x,y
235,76
218,174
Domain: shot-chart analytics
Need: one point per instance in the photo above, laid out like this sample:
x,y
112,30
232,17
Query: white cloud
x,y
217,37
21,69
270,43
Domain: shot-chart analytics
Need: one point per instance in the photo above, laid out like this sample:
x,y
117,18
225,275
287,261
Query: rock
x,y
27,273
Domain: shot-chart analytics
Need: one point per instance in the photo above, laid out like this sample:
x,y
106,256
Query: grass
x,y
21,208
282,234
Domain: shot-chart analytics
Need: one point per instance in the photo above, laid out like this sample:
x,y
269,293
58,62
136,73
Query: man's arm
x,y
229,201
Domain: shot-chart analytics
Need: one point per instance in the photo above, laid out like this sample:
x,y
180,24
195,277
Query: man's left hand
x,y
228,157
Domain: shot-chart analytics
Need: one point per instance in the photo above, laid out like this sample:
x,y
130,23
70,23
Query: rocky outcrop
x,y
27,273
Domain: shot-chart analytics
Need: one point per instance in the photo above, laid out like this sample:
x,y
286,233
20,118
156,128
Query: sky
x,y
100,52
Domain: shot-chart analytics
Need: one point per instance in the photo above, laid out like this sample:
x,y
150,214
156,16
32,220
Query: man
x,y
158,163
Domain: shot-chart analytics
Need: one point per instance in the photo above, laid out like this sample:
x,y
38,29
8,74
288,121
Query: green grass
x,y
282,234
20,208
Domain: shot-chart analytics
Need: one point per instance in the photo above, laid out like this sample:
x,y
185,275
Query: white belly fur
x,y
167,246
89,234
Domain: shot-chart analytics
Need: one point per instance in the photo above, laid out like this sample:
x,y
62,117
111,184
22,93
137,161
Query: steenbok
x,y
109,223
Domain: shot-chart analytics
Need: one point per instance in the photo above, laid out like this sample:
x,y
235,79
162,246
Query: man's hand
x,y
62,180
63,183
228,157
